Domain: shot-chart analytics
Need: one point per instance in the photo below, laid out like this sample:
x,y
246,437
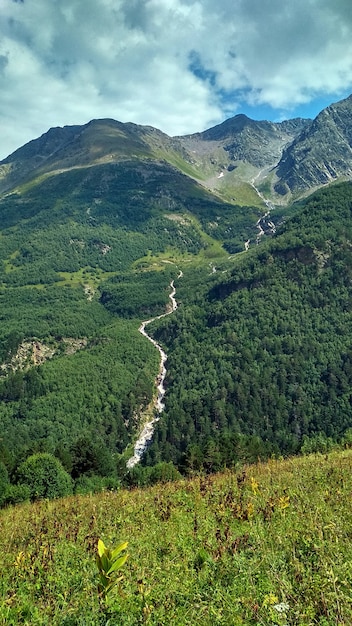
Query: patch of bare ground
x,y
33,352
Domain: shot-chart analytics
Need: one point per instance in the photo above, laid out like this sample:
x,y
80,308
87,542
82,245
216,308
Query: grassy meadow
x,y
268,545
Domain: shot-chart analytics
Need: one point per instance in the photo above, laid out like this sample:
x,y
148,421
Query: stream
x,y
147,432
264,224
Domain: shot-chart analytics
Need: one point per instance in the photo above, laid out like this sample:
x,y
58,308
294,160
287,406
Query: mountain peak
x,y
321,154
295,155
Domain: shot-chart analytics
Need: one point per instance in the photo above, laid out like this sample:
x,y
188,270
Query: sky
x,y
180,65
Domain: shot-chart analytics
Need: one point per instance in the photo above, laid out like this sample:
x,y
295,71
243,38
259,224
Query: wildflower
x,y
254,486
282,607
284,502
270,599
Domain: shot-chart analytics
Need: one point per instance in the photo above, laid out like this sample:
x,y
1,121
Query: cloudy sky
x,y
180,65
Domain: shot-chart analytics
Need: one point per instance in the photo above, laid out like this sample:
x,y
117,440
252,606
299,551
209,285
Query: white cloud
x,y
180,65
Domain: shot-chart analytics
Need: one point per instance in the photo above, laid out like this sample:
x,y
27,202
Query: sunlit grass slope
x,y
268,545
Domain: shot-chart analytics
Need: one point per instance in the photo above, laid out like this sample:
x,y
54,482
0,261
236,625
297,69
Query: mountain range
x,y
231,250
98,221
285,159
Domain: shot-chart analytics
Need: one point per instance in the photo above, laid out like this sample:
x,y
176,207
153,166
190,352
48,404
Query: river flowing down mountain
x,y
146,435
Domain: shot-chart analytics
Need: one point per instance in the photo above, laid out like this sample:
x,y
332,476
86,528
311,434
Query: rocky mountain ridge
x,y
286,159
321,153
259,143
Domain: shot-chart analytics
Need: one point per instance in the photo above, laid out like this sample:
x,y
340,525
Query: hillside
x,y
321,154
97,221
232,155
262,348
71,243
268,545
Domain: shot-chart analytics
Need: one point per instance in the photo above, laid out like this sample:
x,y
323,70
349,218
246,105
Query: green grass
x,y
212,250
219,550
177,161
85,275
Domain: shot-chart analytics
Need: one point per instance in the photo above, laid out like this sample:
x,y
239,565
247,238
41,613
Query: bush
x,y
4,482
94,484
317,443
16,494
45,476
163,473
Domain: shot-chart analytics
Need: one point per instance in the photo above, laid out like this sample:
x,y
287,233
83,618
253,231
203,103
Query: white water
x,y
146,435
270,225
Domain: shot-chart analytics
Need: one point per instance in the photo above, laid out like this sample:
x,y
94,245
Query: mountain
x,y
321,154
240,160
99,225
95,143
95,223
235,149
98,222
258,143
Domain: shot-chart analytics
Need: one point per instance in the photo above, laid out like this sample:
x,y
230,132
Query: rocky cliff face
x,y
322,152
286,160
258,143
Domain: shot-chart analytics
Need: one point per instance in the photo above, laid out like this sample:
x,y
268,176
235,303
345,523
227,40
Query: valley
x,y
175,373
95,219
146,435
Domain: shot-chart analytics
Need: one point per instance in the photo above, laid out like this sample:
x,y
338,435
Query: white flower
x,y
282,607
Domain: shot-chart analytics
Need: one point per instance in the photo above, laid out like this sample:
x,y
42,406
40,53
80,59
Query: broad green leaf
x,y
105,563
101,547
118,549
118,563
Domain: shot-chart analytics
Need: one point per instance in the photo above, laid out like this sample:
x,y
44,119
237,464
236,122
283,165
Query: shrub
x,y
163,473
45,476
16,494
4,482
94,484
317,443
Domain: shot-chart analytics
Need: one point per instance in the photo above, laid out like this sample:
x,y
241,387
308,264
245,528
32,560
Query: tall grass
x,y
268,545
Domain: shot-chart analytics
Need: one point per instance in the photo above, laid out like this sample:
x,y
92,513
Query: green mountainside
x,y
87,253
284,160
96,221
263,348
99,141
234,151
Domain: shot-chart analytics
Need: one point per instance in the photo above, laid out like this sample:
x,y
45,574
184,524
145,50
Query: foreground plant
x,y
109,563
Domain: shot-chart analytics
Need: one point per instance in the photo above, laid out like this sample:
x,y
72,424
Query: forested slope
x,y
264,349
85,255
259,350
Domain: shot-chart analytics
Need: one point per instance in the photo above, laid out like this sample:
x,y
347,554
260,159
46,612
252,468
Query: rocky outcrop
x,y
34,352
259,143
322,152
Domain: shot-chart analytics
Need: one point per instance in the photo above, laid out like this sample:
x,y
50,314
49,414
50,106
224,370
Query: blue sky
x,y
179,65
309,110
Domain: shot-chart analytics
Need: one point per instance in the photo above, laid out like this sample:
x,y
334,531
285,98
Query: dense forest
x,y
259,356
85,256
266,351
